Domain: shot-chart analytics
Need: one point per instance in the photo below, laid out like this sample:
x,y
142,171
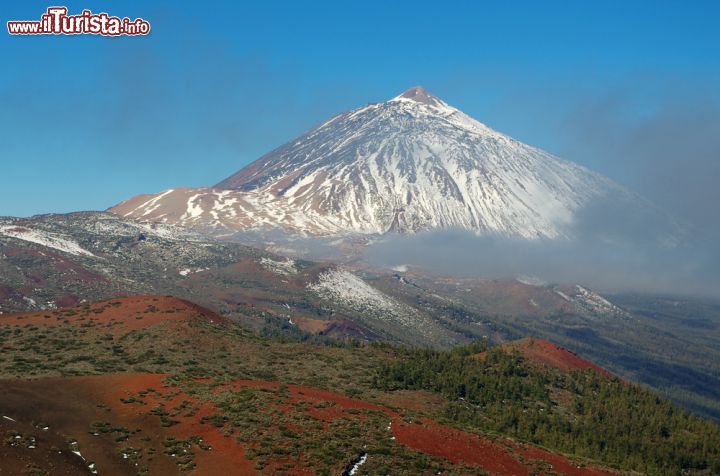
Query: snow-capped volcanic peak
x,y
419,94
408,164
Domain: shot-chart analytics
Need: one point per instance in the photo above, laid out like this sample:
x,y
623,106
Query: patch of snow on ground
x,y
194,209
169,232
285,268
113,226
340,286
531,281
187,271
563,295
598,304
356,466
44,238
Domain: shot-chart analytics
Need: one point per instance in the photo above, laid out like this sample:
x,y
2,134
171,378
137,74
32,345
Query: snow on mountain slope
x,y
58,260
409,164
75,233
284,268
344,291
596,304
44,238
343,287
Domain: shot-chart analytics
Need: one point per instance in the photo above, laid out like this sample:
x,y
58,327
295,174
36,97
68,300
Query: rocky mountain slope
x,y
408,164
56,261
158,385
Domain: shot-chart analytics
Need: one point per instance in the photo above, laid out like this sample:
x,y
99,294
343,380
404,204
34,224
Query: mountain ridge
x,y
405,165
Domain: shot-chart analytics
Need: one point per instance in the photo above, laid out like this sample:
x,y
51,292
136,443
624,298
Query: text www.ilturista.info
x,y
57,22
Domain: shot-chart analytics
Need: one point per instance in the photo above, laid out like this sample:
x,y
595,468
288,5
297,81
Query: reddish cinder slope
x,y
497,457
76,406
544,353
225,457
126,422
121,315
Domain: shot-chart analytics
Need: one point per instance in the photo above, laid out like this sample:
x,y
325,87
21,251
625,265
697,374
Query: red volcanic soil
x,y
75,404
308,394
545,353
458,446
120,316
501,457
226,457
143,411
299,393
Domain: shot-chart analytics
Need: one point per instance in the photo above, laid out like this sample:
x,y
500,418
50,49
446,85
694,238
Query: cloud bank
x,y
670,155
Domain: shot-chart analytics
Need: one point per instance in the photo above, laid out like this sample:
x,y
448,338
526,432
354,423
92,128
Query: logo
x,y
56,21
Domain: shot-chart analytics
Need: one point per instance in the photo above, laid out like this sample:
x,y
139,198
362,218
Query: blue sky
x,y
86,122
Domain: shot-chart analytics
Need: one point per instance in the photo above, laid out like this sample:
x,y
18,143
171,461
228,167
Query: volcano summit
x,y
408,164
